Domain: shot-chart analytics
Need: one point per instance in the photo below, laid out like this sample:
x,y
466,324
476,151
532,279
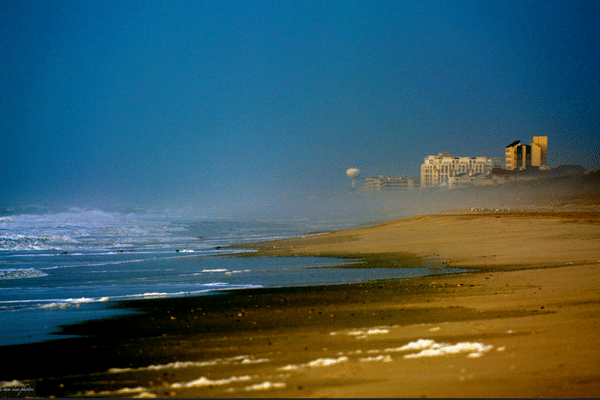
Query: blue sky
x,y
209,102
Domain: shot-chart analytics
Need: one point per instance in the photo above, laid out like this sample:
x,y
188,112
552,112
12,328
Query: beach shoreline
x,y
530,305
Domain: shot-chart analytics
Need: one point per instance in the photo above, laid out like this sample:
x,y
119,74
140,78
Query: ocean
x,y
69,266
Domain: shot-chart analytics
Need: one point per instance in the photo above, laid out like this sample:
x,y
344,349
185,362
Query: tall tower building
x,y
521,156
542,143
513,155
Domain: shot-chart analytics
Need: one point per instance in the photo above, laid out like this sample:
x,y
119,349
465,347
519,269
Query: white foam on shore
x,y
193,364
145,395
53,306
126,390
377,331
266,386
153,294
82,300
141,392
325,362
204,381
417,345
363,333
383,358
67,303
429,348
319,362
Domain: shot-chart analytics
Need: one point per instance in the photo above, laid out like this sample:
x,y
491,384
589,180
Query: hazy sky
x,y
209,102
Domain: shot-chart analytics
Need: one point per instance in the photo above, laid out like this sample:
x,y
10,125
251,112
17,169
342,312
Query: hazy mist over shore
x,y
361,206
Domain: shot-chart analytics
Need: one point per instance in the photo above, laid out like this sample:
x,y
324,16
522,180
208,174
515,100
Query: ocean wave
x,y
62,304
21,273
57,305
86,229
36,242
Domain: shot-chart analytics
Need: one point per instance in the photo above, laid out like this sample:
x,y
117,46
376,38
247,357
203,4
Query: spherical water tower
x,y
353,173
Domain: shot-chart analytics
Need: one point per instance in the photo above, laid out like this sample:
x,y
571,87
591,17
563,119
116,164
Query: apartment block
x,y
437,170
386,182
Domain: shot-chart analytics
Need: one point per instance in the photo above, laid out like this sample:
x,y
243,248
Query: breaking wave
x,y
21,273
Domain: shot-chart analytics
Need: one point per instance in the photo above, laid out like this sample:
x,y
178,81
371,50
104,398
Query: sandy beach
x,y
523,323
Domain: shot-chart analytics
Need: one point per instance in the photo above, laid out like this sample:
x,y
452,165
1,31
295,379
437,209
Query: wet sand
x,y
524,323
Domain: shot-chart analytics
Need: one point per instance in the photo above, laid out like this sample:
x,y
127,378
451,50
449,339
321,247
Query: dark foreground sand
x,y
524,323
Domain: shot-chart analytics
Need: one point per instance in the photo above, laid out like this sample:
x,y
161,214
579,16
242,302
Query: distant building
x,y
522,156
386,182
437,170
470,179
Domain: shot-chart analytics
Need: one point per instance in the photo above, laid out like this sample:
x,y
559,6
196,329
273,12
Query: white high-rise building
x,y
437,170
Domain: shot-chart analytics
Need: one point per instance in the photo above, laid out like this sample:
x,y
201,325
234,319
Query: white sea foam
x,y
362,333
429,348
204,381
383,358
237,272
140,393
194,364
319,362
266,386
377,331
325,362
154,294
67,303
131,390
54,305
82,300
351,333
216,284
417,345
254,361
145,395
290,367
